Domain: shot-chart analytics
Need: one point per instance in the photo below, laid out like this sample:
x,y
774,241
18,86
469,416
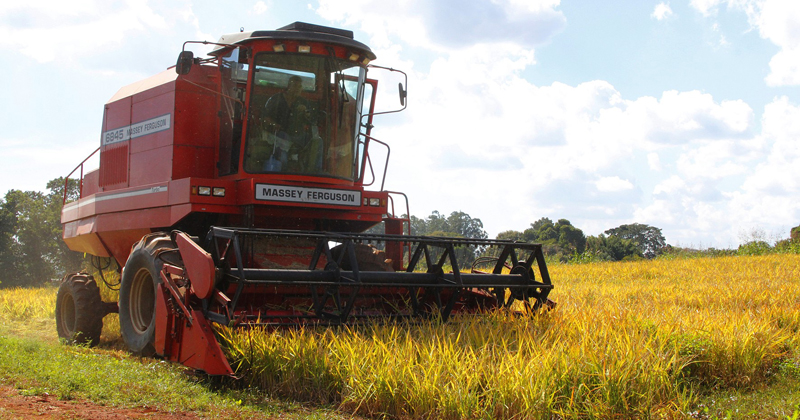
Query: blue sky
x,y
683,114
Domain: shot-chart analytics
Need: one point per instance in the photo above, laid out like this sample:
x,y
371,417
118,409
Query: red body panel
x,y
160,142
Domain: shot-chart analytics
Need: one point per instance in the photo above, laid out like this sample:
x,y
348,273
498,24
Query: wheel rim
x,y
68,314
142,301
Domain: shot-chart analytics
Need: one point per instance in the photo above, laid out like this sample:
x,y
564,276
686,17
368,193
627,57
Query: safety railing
x,y
80,182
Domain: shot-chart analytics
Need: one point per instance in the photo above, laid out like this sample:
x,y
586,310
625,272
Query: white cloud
x,y
566,151
662,11
613,184
56,33
533,6
777,21
654,162
52,160
706,7
70,32
670,186
721,41
738,183
778,175
260,8
680,117
719,159
785,68
442,26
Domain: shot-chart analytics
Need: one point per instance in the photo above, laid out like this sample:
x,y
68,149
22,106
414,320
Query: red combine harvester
x,y
232,190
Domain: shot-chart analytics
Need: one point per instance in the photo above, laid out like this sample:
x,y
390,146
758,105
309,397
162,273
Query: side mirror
x,y
184,64
403,94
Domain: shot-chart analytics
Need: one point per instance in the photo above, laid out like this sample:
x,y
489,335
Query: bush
x,y
754,248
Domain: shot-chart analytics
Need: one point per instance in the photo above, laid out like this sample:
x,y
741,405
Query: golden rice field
x,y
646,339
627,340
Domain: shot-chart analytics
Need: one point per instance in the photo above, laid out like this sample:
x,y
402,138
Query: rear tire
x,y
79,310
137,293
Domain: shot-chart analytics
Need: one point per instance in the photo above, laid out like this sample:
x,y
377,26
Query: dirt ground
x,y
15,406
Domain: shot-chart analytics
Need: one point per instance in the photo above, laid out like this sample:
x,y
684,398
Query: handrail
x,y
394,213
407,218
386,163
367,163
80,183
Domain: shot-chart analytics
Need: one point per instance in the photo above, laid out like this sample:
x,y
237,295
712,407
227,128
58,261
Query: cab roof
x,y
297,31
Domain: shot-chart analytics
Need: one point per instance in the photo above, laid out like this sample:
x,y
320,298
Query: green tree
x,y
418,226
464,225
510,235
32,243
648,239
754,248
33,250
465,255
457,225
8,229
437,222
612,248
458,222
66,260
541,224
558,239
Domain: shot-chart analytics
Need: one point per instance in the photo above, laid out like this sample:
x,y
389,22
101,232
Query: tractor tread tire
x,y
144,257
79,310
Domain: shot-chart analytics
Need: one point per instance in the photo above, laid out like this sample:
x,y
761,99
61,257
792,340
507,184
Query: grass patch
x,y
779,399
76,372
33,360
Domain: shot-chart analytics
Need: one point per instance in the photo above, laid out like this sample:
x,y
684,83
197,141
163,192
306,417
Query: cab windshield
x,y
303,116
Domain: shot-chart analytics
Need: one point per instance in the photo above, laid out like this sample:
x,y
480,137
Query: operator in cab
x,y
291,128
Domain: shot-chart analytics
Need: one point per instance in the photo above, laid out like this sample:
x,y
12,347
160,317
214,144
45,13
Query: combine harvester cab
x,y
234,190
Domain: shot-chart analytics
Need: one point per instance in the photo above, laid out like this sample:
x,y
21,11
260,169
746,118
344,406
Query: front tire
x,y
137,293
79,310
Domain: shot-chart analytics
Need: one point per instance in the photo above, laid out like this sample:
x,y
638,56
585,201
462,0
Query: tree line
x,y
33,252
560,240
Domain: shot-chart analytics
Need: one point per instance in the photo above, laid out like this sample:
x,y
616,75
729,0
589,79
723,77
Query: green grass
x,y
779,399
113,379
33,360
76,372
